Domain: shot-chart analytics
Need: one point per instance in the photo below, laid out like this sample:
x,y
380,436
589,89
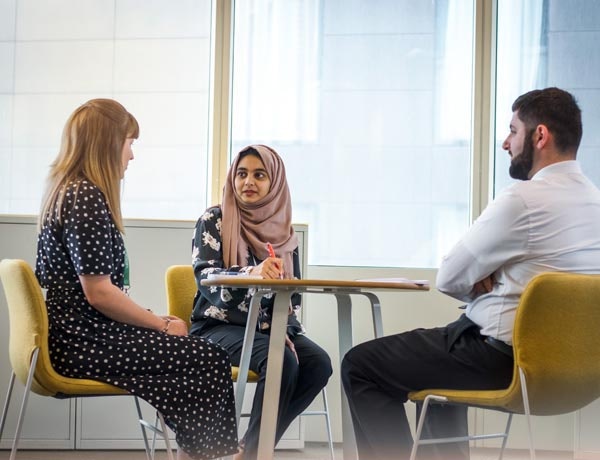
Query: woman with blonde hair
x,y
251,233
96,330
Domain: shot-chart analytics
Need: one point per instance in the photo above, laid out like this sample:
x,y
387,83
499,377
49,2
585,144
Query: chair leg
x,y
156,430
504,441
417,440
143,425
527,413
413,452
34,358
165,433
325,413
11,384
328,423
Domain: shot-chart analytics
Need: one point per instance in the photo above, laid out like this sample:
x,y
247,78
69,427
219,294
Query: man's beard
x,y
521,165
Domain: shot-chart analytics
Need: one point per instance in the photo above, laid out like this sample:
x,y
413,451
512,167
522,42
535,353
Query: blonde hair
x,y
91,149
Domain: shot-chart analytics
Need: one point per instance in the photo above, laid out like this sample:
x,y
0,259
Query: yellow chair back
x,y
181,289
556,344
29,330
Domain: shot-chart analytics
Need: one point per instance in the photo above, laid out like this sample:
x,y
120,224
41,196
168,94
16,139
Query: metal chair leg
x,y
325,413
418,441
328,424
413,452
154,433
34,358
165,433
156,430
527,413
143,426
504,441
11,384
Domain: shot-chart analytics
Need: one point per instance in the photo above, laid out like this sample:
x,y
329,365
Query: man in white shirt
x,y
550,221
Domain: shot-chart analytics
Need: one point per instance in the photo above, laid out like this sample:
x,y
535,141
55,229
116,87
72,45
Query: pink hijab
x,y
252,226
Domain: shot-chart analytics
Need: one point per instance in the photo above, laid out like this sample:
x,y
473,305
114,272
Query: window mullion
x,y
483,105
220,95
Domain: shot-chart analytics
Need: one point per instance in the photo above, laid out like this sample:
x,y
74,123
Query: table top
x,y
368,284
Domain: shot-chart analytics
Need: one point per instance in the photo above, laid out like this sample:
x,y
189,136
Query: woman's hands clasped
x,y
177,326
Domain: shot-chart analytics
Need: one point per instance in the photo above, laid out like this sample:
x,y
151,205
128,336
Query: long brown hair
x,y
91,149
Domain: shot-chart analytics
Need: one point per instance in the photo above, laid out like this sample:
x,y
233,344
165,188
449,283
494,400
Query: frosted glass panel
x,y
368,104
65,19
153,56
162,18
7,19
6,103
162,65
557,47
7,59
64,67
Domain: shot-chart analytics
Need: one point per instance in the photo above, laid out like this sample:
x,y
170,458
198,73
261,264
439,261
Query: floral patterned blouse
x,y
214,305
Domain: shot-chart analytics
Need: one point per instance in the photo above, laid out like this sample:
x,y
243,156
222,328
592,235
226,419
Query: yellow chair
x,y
30,358
181,289
556,346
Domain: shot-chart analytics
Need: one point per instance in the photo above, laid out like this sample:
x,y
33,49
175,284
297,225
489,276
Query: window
x,y
153,56
544,43
368,104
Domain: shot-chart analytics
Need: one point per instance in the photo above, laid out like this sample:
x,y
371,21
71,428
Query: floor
x,y
313,451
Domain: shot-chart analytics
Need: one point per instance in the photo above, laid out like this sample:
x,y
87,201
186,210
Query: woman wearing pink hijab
x,y
256,210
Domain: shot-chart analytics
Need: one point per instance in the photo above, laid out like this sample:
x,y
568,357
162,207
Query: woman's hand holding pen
x,y
271,268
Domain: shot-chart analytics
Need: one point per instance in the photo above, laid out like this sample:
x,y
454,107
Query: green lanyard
x,y
126,284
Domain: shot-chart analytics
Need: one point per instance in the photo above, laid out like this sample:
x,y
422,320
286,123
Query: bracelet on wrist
x,y
166,328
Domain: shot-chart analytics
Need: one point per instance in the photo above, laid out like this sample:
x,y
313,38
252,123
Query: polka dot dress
x,y
188,379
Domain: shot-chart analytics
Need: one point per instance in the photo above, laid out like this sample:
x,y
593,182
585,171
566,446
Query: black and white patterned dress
x,y
215,304
187,378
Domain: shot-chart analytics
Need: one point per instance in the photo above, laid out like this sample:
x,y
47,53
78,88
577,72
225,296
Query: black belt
x,y
499,345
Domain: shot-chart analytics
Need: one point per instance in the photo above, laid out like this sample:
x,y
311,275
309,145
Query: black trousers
x,y
378,375
300,381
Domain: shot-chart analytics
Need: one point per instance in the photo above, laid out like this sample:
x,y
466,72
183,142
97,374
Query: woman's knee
x,y
220,355
321,368
290,368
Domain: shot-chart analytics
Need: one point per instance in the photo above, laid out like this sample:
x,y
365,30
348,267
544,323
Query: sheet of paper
x,y
216,276
397,280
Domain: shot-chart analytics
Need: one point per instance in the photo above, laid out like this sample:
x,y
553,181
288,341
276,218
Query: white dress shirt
x,y
549,223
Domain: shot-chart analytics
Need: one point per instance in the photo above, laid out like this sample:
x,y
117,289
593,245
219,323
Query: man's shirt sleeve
x,y
499,237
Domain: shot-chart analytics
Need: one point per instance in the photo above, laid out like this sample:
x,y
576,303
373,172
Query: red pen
x,y
272,254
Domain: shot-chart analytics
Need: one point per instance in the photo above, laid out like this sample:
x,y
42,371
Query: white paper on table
x,y
397,280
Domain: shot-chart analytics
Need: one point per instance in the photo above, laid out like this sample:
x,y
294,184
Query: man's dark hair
x,y
555,108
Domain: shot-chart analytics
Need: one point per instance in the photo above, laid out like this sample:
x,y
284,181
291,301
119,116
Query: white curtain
x,y
519,49
455,74
264,71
